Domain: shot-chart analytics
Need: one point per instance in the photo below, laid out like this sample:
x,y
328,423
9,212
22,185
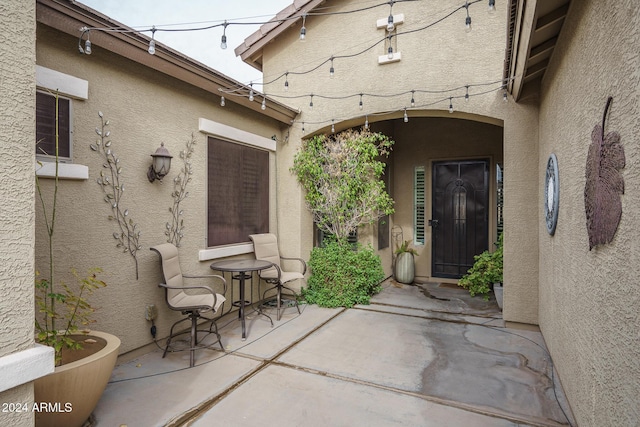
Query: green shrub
x,y
343,277
486,270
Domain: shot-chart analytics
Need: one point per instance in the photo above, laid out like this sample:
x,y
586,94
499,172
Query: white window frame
x,y
231,134
74,88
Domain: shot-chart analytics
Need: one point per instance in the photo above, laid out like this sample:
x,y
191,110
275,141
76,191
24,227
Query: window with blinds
x,y
238,192
46,126
419,206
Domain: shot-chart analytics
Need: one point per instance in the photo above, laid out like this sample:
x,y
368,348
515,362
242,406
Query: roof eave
x,y
69,17
250,51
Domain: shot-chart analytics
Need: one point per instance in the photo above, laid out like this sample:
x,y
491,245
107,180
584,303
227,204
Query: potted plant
x,y
404,271
84,359
485,272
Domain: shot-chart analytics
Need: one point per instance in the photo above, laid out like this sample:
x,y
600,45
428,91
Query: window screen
x,y
238,192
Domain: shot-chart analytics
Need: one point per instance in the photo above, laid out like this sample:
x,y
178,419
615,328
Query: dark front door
x,y
459,215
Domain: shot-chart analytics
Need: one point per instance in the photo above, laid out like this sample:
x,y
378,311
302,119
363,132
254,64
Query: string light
x,y
390,50
223,43
413,100
466,95
87,45
450,105
286,81
311,102
152,42
467,21
421,106
333,128
222,101
331,70
492,7
303,30
251,92
406,118
505,98
360,105
390,24
292,18
264,102
83,31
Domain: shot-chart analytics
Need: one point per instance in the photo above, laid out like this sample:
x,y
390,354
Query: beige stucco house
x,y
557,62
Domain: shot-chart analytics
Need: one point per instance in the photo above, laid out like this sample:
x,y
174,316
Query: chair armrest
x,y
203,287
304,264
205,276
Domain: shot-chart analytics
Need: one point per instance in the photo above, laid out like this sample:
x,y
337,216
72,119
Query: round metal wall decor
x,y
551,194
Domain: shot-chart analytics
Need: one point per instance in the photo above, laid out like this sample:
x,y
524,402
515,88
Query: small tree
x,y
341,176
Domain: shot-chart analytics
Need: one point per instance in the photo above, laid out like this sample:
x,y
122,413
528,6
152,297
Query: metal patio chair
x,y
265,247
191,304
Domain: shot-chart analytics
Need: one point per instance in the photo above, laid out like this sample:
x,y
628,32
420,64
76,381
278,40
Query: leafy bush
x,y
486,271
341,175
342,277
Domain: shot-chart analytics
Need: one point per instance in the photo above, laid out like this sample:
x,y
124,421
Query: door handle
x,y
433,223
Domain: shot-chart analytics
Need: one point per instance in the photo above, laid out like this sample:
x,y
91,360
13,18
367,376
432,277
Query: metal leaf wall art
x,y
128,235
604,184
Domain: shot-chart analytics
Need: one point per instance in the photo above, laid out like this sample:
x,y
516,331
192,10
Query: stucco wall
x,y
17,127
144,108
438,58
589,299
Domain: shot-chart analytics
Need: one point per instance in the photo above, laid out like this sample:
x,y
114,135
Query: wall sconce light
x,y
161,164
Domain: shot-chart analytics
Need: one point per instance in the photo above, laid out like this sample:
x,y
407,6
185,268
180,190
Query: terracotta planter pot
x,y
67,396
405,269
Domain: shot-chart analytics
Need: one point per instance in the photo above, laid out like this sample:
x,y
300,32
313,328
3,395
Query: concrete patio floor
x,y
419,355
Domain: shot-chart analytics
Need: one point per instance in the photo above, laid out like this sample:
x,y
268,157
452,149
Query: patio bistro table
x,y
242,267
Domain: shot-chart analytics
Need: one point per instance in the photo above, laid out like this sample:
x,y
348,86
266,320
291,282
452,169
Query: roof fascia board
x,y
526,19
69,17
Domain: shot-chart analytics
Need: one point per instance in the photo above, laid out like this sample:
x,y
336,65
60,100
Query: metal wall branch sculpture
x,y
175,229
604,184
128,234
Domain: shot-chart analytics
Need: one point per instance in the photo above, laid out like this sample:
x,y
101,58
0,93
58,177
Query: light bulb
x,y
366,122
413,101
303,30
311,103
467,24
450,106
223,42
390,25
302,127
492,7
286,85
331,72
87,47
251,94
466,95
222,101
361,105
264,104
152,42
333,128
504,96
390,53
406,118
